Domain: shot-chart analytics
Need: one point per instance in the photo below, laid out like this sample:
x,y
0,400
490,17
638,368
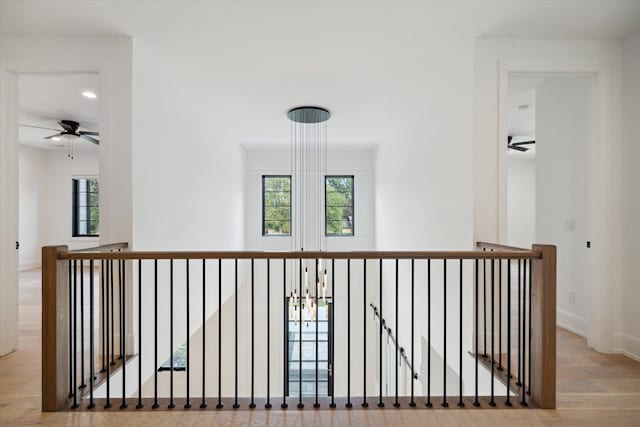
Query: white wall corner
x,y
29,264
626,345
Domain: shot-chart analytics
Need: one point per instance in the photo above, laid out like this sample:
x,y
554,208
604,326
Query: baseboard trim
x,y
29,265
569,321
627,346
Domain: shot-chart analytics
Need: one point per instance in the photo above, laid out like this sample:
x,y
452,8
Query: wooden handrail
x,y
297,255
108,247
498,247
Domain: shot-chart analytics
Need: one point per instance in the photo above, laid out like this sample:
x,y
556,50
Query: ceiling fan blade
x,y
57,135
517,148
523,143
39,127
83,132
90,139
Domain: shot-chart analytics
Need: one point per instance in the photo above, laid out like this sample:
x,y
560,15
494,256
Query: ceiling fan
x,y
520,145
69,129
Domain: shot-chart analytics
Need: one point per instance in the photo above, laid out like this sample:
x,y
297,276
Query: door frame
x,y
602,156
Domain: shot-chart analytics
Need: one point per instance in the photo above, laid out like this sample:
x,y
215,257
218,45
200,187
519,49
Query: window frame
x,y
262,225
75,205
353,206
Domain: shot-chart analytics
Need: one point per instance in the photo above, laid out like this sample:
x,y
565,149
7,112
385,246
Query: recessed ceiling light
x,y
89,94
55,138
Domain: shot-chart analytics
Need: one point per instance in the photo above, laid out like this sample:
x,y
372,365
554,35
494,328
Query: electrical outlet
x,y
572,297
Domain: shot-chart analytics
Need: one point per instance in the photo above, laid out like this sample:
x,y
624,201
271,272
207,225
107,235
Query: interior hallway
x,y
593,389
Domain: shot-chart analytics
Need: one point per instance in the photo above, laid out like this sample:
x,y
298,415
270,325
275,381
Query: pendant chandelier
x,y
308,167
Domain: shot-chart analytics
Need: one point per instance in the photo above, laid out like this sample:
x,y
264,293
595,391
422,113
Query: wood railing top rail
x,y
134,255
498,247
108,247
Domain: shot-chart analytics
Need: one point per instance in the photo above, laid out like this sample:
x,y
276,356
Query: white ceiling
x,y
44,99
521,121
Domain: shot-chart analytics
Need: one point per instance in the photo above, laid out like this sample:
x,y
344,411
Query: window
x,y
303,336
339,205
85,209
179,360
276,205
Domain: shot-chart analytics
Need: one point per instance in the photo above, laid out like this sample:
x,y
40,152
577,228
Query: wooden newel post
x,y
55,329
543,328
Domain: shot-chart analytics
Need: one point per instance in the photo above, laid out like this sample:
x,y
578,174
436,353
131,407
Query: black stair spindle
x,y
530,325
460,401
518,382
75,336
236,405
300,404
123,346
113,329
203,403
316,404
364,336
187,404
508,400
82,383
252,404
332,405
102,315
500,367
523,402
268,404
412,403
155,405
348,404
70,286
285,347
91,338
172,404
429,404
139,405
445,404
220,405
493,334
476,402
484,302
380,402
108,365
396,403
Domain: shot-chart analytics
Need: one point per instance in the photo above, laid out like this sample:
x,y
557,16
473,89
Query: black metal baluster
x,y
364,336
493,333
75,335
396,403
139,405
460,402
220,405
236,405
518,382
523,402
300,404
113,328
102,315
171,402
380,402
123,346
348,404
484,302
203,404
108,365
500,367
412,403
91,338
155,405
252,405
70,286
316,404
429,404
333,310
476,402
508,401
285,347
444,336
187,404
120,309
82,383
530,324
268,404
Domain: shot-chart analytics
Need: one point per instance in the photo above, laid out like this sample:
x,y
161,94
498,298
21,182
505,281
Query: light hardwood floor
x,y
593,390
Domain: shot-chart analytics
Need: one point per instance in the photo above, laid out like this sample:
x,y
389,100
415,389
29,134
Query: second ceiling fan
x,y
520,145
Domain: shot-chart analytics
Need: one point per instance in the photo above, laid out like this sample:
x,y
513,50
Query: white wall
x,y
628,340
32,201
564,137
521,201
